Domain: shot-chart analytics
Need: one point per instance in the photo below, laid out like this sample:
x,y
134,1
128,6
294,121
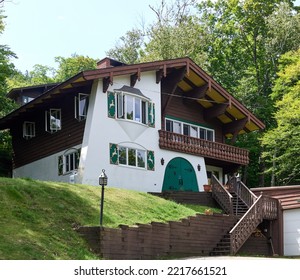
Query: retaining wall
x,y
194,236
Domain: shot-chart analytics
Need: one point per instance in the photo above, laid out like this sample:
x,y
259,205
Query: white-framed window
x,y
134,108
53,120
26,99
81,106
28,130
71,162
190,129
132,157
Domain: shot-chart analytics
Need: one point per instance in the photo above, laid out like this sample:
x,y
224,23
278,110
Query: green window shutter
x,y
111,104
150,160
60,165
151,114
113,153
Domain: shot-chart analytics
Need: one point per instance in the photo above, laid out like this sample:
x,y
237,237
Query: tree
x,y
40,74
282,143
6,69
175,33
128,48
71,66
246,38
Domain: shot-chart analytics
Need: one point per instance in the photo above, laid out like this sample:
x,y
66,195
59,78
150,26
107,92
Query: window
x,y
190,130
134,108
81,106
28,130
173,126
53,120
132,157
71,161
26,99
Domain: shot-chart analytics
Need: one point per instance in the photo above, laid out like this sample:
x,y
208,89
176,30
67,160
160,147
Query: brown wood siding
x,y
190,111
45,143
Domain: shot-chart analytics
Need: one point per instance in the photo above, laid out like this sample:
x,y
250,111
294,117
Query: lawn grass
x,y
37,218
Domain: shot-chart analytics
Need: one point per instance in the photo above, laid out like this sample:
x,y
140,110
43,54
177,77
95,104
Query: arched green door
x,y
180,176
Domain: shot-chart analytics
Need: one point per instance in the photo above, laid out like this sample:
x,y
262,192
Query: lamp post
x,y
102,182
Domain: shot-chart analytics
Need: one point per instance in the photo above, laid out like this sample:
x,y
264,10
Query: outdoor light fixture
x,y
162,161
102,182
199,167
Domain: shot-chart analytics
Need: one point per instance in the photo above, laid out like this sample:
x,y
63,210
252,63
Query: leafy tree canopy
x,y
282,143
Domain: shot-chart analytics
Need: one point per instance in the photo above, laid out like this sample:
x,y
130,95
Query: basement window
x,y
28,130
81,106
71,161
53,120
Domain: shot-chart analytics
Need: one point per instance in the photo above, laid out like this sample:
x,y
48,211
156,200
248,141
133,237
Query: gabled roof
x,y
288,196
178,77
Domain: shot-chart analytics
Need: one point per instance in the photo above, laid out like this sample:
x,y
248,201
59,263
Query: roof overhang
x,y
288,196
178,77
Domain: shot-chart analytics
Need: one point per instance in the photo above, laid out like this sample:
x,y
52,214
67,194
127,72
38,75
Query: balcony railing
x,y
195,146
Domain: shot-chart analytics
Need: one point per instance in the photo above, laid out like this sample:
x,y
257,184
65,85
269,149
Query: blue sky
x,y
38,31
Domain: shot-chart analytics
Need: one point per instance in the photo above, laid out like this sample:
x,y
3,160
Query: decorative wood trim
x,y
197,92
135,77
234,126
106,82
159,75
215,111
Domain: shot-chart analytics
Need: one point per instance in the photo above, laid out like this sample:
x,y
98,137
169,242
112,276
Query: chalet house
x,y
152,126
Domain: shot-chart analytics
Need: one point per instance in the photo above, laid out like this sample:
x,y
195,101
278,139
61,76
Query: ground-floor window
x,y
132,157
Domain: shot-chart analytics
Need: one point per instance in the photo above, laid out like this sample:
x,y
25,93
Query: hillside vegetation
x,y
37,219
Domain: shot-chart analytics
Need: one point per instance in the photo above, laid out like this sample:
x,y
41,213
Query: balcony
x,y
199,147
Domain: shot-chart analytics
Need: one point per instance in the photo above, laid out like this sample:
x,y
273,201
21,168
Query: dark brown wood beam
x,y
106,82
135,77
169,83
234,126
197,92
215,111
159,75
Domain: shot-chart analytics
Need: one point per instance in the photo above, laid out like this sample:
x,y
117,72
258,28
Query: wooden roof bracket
x,y
234,126
135,77
107,81
161,73
198,92
215,111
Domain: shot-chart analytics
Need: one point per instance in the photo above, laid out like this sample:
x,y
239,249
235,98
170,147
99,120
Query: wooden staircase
x,y
251,210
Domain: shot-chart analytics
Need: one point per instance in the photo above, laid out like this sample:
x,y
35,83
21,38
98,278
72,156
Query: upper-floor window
x,y
53,120
26,99
28,130
190,130
81,106
132,107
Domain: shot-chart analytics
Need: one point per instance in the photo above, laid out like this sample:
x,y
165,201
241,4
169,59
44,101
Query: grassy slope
x,y
36,218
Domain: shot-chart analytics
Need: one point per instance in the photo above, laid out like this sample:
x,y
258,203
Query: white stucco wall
x,y
101,130
45,169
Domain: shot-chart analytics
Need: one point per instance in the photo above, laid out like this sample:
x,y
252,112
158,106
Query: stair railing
x,y
246,225
263,208
243,193
221,195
